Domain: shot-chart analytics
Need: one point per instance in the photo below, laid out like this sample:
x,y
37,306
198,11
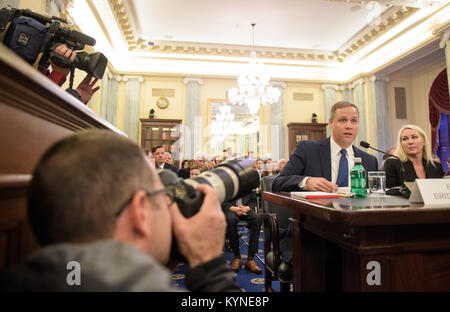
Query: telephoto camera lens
x,y
231,179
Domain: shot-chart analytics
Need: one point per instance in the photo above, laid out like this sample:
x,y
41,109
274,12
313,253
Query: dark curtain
x,y
438,103
443,142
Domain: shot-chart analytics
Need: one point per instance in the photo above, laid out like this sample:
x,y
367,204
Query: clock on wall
x,y
162,102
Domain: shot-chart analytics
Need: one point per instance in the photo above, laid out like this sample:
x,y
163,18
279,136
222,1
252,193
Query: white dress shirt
x,y
335,151
336,158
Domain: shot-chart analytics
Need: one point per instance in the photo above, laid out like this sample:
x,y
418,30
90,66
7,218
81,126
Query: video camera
x,y
231,179
34,37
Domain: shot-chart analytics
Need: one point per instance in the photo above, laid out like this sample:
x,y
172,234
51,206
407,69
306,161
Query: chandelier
x,y
254,89
221,125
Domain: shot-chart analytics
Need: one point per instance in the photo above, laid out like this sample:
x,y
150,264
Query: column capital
x,y
347,86
444,38
330,86
118,78
357,82
374,78
281,84
132,77
187,80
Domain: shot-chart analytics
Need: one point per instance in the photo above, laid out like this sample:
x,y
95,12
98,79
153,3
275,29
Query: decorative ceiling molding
x,y
123,10
117,26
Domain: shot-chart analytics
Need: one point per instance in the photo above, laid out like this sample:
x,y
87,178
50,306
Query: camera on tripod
x,y
34,37
231,179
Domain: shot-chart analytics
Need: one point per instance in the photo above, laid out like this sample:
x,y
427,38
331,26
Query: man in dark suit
x,y
160,161
324,165
243,209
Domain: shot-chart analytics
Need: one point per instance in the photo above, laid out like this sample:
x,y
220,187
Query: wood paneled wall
x,y
34,113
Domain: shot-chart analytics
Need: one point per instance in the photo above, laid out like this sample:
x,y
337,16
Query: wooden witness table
x,y
372,244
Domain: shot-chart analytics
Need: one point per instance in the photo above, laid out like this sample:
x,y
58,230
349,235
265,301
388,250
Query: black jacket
x,y
313,159
170,167
247,200
393,171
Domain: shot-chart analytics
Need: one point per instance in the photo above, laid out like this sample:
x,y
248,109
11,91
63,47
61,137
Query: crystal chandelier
x,y
222,123
254,86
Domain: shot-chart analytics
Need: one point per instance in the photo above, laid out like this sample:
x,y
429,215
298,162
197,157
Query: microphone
x,y
397,191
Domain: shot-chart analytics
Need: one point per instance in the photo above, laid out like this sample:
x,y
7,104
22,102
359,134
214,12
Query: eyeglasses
x,y
149,194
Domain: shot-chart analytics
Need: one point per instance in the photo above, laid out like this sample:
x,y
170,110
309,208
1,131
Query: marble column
x,y
108,100
329,97
277,125
381,113
111,105
347,93
358,85
193,120
132,96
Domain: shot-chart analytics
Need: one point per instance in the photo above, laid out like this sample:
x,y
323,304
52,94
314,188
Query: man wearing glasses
x,y
95,201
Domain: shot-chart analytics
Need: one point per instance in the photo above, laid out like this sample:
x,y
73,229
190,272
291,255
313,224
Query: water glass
x,y
377,182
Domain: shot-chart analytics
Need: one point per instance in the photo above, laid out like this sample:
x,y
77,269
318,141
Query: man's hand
x,y
244,210
201,238
67,53
320,184
236,210
86,88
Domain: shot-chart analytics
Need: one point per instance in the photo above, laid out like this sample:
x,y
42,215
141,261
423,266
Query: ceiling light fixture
x,y
222,124
254,88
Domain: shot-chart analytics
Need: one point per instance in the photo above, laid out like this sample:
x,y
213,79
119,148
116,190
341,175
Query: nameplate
x,y
432,192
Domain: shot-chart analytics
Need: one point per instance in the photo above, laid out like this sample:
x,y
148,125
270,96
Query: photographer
x,y
43,41
95,200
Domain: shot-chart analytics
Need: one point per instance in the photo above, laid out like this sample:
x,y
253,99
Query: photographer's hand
x,y
67,53
86,88
201,238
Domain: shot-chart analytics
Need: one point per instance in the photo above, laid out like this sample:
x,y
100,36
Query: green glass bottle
x,y
358,177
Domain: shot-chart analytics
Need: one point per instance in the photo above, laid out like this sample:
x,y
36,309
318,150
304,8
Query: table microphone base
x,y
399,191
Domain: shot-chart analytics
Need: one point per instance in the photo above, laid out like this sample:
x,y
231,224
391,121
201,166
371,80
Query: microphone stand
x,y
398,190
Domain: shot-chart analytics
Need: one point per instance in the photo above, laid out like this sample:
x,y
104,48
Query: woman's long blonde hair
x,y
426,152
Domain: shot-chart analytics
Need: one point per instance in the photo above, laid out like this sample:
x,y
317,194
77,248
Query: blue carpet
x,y
248,281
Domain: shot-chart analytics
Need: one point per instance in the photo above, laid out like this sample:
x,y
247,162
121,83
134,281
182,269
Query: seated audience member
x,y
211,163
229,153
168,158
259,166
281,163
267,168
184,172
150,157
414,150
160,159
324,165
184,164
243,209
195,170
113,218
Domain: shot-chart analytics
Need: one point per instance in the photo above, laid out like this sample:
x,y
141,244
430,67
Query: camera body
x,y
34,37
231,179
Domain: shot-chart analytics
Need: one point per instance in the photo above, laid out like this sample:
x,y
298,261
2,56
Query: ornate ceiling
x,y
296,39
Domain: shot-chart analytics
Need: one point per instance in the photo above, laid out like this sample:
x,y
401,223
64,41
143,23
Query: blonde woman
x,y
414,150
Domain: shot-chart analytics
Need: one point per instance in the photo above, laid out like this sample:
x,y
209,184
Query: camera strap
x,y
72,75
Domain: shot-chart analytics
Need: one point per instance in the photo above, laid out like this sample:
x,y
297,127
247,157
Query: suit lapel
x,y
356,151
325,158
